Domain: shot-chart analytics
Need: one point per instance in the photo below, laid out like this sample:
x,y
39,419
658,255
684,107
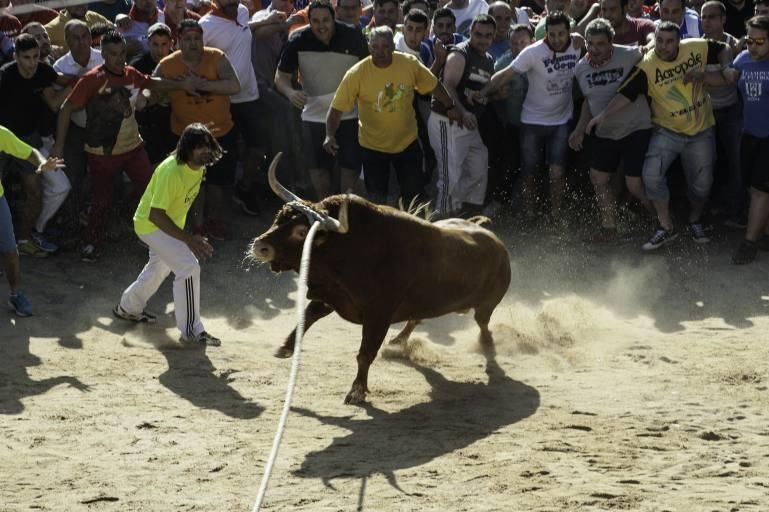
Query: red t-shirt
x,y
111,128
639,30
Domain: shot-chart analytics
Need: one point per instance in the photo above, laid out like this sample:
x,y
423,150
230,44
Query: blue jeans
x,y
697,153
535,138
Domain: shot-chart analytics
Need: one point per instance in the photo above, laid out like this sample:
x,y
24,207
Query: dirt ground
x,y
621,381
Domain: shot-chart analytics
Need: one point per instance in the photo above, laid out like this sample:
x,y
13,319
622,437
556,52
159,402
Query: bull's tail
x,y
479,220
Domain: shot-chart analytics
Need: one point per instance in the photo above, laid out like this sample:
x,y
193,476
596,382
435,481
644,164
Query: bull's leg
x,y
315,311
403,336
482,317
374,332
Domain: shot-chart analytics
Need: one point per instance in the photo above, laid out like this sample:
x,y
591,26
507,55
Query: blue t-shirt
x,y
754,89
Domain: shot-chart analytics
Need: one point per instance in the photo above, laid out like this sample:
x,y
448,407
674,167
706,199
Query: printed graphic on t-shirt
x,y
560,62
389,100
699,99
605,77
754,84
665,76
106,111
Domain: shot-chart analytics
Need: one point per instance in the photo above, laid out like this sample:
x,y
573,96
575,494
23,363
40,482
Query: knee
x,y
187,267
599,179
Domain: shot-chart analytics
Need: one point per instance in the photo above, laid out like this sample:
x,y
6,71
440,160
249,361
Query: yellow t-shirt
x,y
173,188
11,144
386,118
682,108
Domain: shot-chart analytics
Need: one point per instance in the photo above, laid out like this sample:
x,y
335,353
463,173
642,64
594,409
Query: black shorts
x,y
248,117
606,154
348,155
754,154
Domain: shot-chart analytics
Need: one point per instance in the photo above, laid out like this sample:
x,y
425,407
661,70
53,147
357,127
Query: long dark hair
x,y
194,136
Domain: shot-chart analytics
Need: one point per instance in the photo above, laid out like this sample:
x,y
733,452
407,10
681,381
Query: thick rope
x,y
304,270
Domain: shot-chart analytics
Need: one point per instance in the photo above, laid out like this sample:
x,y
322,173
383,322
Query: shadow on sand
x,y
458,414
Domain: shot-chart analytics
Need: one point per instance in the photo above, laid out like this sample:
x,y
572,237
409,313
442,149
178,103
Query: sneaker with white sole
x,y
660,237
20,304
203,338
144,316
698,233
42,242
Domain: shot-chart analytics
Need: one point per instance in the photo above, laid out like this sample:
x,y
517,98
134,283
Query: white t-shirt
x,y
465,16
234,39
67,65
551,76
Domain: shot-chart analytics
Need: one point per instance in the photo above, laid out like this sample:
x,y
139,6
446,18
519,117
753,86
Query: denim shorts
x,y
697,154
535,138
7,240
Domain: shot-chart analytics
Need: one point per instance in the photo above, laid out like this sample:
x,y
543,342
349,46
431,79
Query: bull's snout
x,y
262,251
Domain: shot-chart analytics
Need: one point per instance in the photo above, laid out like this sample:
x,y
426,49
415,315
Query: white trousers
x,y
55,186
167,254
463,164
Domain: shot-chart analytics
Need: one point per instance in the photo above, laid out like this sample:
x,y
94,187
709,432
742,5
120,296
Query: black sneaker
x,y
88,253
698,233
660,237
745,253
144,316
246,199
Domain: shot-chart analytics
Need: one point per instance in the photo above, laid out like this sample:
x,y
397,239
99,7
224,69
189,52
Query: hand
x,y
477,97
694,76
594,123
469,121
191,84
298,98
455,116
294,19
276,17
51,164
575,139
56,152
439,49
330,145
731,75
200,247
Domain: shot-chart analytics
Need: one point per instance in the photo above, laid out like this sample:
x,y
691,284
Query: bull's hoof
x,y
284,352
355,396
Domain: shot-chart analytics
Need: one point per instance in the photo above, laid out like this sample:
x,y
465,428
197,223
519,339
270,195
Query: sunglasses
x,y
757,41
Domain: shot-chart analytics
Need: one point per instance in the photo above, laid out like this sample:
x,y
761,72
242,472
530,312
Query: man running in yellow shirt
x,y
9,256
159,223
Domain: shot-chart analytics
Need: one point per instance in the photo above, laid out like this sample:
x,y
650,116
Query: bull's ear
x,y
299,232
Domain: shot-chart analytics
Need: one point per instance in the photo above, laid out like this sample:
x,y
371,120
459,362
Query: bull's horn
x,y
281,191
342,225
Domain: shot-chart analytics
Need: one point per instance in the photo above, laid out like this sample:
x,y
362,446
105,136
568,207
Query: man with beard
x,y
549,66
687,20
322,54
462,156
37,30
159,223
444,35
683,117
628,30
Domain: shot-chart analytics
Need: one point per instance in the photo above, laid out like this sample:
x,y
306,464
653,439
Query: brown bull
x,y
376,266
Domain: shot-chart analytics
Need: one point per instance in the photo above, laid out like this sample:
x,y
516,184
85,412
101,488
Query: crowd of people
x,y
477,107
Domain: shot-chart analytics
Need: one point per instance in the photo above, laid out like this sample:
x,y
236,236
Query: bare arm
x,y
578,135
197,244
228,83
62,127
286,88
54,98
43,164
617,103
452,74
333,119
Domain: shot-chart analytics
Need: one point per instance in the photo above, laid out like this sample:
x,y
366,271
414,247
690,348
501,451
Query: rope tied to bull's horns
x,y
304,271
